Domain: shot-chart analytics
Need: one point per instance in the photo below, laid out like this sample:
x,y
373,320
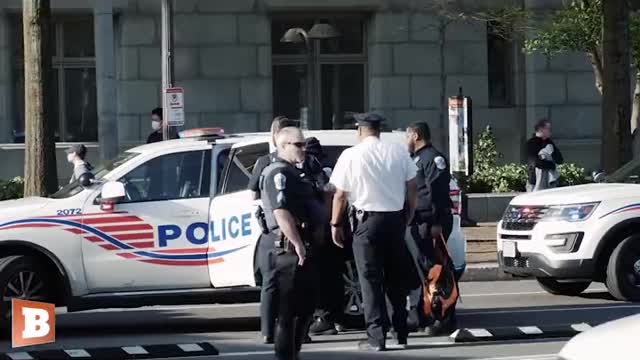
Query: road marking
x,y
20,356
190,347
530,330
78,353
135,350
480,333
581,327
525,357
515,310
352,348
594,291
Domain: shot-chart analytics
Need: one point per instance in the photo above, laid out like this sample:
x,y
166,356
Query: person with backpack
x,y
428,232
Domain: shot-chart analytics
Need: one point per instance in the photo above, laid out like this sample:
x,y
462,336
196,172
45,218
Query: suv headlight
x,y
571,213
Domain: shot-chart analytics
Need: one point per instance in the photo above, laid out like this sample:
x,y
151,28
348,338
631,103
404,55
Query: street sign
x,y
460,142
175,103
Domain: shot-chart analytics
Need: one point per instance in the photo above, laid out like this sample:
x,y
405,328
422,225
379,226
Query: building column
x,y
106,79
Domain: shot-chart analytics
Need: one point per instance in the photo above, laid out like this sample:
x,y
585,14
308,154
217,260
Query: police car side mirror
x,y
599,177
86,179
112,191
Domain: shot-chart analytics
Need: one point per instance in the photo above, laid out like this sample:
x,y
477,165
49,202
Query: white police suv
x,y
569,237
164,223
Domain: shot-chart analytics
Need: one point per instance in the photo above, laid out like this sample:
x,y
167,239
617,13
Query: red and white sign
x,y
174,98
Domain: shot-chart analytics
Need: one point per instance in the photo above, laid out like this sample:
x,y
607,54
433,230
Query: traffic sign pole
x,y
167,61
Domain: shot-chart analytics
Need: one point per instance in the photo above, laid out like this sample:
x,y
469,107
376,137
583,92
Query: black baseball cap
x,y
77,149
369,119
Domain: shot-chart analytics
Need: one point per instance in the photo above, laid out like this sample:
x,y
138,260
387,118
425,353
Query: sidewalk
x,y
481,243
482,254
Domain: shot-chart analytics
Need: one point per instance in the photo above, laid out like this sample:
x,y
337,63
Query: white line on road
x,y
78,353
352,348
530,330
20,356
525,357
515,310
593,291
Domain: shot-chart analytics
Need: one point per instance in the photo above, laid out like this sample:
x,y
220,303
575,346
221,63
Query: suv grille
x,y
522,218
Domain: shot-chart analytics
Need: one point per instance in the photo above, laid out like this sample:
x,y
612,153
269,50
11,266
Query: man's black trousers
x,y
295,296
266,244
331,260
382,261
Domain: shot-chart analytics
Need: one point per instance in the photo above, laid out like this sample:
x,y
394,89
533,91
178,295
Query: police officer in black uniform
x,y
289,205
433,217
266,241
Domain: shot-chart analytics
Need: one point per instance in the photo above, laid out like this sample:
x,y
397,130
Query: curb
x,y
124,353
518,333
486,272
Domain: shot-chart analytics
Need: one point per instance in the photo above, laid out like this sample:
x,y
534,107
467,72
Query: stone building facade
x,y
394,57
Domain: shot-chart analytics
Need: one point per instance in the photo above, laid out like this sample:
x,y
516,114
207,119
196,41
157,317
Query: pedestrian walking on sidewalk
x,y
543,156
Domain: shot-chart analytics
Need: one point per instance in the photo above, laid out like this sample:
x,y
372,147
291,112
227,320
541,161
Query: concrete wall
x,y
222,59
6,119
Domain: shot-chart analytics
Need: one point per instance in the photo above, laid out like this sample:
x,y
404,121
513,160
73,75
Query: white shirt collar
x,y
371,139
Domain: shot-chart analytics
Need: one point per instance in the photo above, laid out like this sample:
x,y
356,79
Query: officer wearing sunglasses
x,y
289,206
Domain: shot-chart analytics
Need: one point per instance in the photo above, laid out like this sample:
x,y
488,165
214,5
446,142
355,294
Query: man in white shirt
x,y
378,180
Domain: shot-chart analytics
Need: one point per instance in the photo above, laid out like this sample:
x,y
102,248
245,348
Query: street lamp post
x,y
167,61
299,35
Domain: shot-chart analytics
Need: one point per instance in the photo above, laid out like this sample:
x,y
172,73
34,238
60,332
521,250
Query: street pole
x,y
167,61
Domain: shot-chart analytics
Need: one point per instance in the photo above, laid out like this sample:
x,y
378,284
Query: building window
x,y
73,79
500,54
322,84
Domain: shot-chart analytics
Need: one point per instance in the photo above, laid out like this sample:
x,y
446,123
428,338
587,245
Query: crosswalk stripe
x,y
581,327
190,347
77,353
135,350
20,356
530,330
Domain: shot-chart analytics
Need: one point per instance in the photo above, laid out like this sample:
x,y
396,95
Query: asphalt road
x,y
233,329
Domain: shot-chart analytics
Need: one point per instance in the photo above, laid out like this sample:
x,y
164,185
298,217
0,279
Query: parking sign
x,y
175,103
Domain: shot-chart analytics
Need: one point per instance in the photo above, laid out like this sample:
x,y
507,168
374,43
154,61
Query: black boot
x,y
285,340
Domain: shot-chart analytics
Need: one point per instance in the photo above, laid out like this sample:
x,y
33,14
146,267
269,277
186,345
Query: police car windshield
x,y
99,173
628,173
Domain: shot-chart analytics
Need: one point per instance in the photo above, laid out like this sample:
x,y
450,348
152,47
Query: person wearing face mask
x,y
76,155
156,125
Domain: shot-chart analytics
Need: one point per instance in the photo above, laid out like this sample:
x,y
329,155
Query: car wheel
x,y
22,278
353,309
623,271
555,287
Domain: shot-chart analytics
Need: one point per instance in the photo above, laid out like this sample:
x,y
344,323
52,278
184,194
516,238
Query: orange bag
x,y
440,289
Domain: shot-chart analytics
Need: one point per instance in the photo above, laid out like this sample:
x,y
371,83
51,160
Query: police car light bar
x,y
201,133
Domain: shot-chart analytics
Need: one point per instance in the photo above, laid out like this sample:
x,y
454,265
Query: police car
x,y
164,223
572,236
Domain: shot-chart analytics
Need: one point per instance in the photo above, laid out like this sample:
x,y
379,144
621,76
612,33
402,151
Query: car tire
x,y
555,287
623,270
353,308
21,277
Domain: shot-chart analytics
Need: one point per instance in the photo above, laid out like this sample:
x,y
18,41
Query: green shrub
x,y
488,177
12,189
